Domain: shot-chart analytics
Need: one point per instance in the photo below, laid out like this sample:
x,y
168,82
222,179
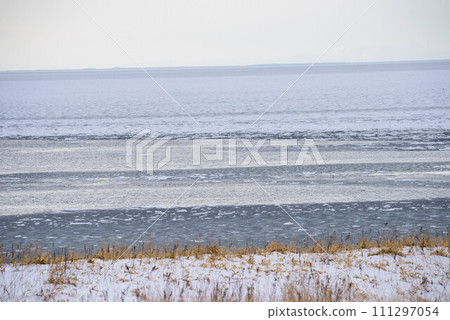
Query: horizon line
x,y
187,67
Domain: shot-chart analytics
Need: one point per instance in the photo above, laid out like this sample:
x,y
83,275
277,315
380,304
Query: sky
x,y
58,34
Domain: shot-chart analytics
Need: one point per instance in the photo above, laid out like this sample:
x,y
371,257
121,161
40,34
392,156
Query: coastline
x,y
406,269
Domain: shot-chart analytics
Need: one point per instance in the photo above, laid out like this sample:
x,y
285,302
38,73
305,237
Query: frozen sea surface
x,y
117,103
382,129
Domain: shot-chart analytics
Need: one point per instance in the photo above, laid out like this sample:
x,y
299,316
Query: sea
x,y
382,130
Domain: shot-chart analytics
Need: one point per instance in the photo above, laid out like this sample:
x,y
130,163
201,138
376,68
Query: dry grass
x,y
389,250
305,290
441,252
392,245
58,274
324,291
309,284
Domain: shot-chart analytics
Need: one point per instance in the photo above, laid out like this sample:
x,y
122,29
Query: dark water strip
x,y
229,225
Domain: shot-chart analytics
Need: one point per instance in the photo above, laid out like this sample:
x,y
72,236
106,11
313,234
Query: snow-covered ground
x,y
353,275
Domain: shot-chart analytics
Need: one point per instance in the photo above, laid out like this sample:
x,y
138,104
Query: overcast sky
x,y
57,34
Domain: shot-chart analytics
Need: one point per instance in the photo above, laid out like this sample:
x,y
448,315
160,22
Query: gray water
x,y
382,129
111,103
229,225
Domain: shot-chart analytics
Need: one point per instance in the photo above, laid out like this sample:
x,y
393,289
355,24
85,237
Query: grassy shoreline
x,y
391,269
388,244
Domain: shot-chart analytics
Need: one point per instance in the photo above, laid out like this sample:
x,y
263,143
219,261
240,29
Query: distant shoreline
x,y
235,69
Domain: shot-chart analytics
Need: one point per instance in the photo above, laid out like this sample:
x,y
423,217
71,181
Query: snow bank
x,y
354,275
